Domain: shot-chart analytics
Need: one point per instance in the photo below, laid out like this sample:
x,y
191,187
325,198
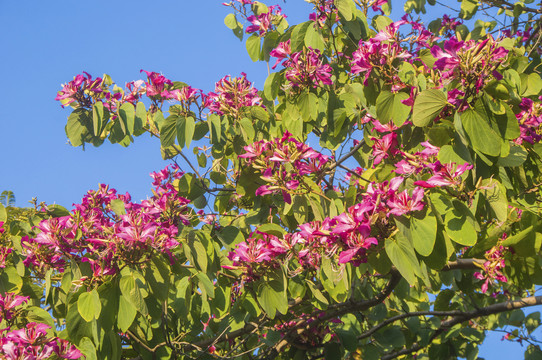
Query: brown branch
x,y
346,156
331,312
465,316
334,311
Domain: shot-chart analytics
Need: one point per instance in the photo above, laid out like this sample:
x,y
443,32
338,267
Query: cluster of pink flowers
x,y
108,230
473,64
5,247
425,162
493,266
325,9
283,163
83,90
31,342
349,235
231,95
265,22
530,121
448,25
378,54
305,68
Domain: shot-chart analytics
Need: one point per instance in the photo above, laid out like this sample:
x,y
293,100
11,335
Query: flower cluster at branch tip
x,y
378,54
425,162
81,91
107,229
325,9
448,25
31,341
470,63
5,246
349,235
305,68
232,94
265,22
493,266
284,164
530,121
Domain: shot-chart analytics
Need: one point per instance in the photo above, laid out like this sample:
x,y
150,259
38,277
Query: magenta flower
x,y
402,203
282,51
383,148
266,21
307,69
157,85
232,94
445,175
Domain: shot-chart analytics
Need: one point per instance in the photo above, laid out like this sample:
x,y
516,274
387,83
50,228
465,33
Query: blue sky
x,y
46,43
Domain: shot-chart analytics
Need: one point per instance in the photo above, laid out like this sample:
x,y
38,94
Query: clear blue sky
x,y
46,43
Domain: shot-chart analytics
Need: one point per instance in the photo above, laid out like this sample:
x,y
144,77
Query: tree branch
x,y
465,316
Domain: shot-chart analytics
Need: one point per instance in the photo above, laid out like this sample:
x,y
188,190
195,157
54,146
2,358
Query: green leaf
x,y
428,104
231,236
308,106
127,114
168,131
271,86
442,302
293,121
3,213
207,284
273,229
89,305
197,252
530,84
271,294
77,327
344,8
10,280
516,157
402,255
247,130
314,39
97,117
495,194
215,127
126,315
39,315
253,45
157,276
131,292
76,128
459,228
481,135
468,9
298,36
140,118
118,207
389,107
424,233
231,22
87,348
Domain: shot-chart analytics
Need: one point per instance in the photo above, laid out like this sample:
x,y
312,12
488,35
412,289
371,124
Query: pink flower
x,y
232,94
282,51
307,69
384,147
402,203
156,85
264,22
